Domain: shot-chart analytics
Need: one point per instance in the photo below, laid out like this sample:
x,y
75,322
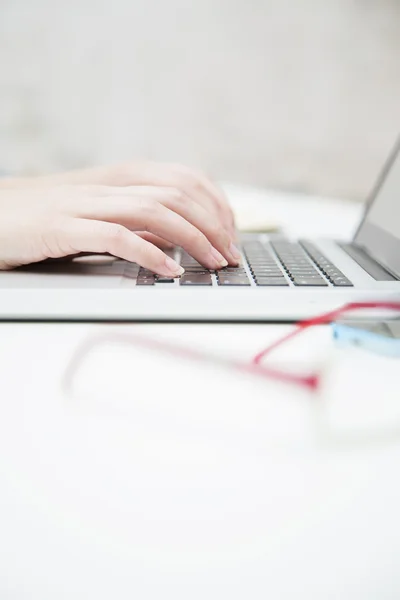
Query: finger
x,y
146,214
86,235
154,239
223,204
196,185
201,188
199,217
215,191
205,190
172,198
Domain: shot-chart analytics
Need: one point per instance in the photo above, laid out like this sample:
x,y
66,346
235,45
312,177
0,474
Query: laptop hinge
x,y
366,262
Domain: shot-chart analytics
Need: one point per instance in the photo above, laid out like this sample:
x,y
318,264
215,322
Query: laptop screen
x,y
379,232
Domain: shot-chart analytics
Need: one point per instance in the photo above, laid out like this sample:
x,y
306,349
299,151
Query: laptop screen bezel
x,y
381,245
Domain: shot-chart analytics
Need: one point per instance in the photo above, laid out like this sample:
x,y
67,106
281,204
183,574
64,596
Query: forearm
x,y
97,176
12,183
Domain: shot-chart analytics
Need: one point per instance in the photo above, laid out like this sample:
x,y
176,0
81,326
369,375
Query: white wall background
x,y
301,94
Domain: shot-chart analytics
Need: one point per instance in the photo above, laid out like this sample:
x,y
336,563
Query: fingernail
x,y
217,256
235,252
173,267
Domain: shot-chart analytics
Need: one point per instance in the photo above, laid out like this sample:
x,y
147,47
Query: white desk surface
x,y
162,478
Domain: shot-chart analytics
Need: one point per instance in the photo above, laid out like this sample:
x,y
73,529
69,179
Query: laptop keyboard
x,y
277,264
332,273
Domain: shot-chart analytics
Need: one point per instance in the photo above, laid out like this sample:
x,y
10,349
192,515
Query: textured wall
x,y
301,94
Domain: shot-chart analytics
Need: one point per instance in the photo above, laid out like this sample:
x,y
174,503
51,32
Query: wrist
x,y
10,183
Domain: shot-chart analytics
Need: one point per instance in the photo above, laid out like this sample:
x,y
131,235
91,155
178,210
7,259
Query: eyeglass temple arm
x,y
323,319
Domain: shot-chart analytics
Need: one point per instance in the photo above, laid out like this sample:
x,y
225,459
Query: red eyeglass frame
x,y
254,367
312,381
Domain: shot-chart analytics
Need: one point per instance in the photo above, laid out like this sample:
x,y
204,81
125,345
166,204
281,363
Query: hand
x,y
195,185
52,222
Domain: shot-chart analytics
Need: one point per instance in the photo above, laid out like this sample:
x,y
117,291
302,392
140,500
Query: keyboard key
x,y
271,269
233,281
303,275
145,277
298,260
146,272
261,265
317,282
233,278
341,282
231,274
188,282
195,279
275,274
272,281
145,281
271,265
303,272
197,270
165,280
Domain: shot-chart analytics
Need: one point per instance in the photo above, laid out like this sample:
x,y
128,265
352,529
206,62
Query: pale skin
x,y
132,211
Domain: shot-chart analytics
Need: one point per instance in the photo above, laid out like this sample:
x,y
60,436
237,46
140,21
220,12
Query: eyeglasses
x,y
255,367
311,382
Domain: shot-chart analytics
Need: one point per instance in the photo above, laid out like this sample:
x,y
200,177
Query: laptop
x,y
279,279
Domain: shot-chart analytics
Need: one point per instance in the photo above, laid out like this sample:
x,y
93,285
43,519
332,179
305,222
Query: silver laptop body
x,y
280,279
